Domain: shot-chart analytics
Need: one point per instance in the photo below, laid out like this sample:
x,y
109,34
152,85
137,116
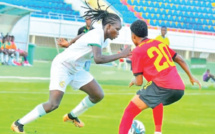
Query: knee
x,y
100,96
97,97
52,106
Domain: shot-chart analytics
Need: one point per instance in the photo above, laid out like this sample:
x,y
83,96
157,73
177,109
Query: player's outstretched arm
x,y
100,59
63,43
185,67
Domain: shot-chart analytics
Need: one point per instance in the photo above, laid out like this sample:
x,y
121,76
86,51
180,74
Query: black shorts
x,y
153,95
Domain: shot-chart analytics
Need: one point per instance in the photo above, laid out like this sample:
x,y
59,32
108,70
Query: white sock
x,y
10,60
37,112
6,58
2,57
17,56
158,133
82,107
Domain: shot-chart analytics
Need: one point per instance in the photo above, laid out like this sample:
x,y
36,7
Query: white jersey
x,y
78,53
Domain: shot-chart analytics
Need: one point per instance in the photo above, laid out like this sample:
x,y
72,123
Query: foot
x,y
17,63
17,127
75,120
12,64
26,63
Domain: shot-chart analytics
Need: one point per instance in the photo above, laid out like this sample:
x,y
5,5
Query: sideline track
x,y
24,78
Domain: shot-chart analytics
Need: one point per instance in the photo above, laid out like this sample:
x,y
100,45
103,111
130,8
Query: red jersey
x,y
153,59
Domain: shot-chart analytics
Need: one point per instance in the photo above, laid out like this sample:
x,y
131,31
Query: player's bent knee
x,y
54,106
100,97
96,98
51,107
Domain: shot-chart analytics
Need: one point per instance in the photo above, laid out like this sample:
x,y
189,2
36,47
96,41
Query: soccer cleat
x,y
17,127
75,120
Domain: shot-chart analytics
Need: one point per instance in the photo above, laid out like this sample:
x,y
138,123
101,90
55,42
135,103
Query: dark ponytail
x,y
99,14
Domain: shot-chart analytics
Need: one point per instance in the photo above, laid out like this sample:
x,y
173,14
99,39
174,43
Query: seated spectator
x,y
10,52
1,51
207,76
4,51
18,53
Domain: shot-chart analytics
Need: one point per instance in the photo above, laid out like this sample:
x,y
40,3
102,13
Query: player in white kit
x,y
67,69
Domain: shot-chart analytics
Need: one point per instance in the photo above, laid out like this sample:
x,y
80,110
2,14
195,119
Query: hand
x,y
62,42
194,80
131,83
126,52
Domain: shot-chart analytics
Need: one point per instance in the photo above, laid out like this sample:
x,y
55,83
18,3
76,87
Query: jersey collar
x,y
143,42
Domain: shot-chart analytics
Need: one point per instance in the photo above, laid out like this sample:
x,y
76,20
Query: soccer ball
x,y
137,127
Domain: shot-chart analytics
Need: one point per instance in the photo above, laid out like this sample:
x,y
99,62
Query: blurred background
x,y
190,24
37,24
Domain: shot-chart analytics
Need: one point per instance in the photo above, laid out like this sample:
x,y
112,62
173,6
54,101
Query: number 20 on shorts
x,y
161,53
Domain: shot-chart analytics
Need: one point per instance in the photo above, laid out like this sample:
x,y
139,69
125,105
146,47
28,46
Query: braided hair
x,y
99,14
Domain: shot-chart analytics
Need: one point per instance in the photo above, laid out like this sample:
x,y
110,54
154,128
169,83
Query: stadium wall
x,y
68,29
178,40
43,32
54,28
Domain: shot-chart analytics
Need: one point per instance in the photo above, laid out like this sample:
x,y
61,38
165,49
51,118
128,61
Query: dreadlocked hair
x,y
99,14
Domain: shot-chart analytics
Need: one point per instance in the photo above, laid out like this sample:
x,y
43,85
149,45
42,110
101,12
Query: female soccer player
x,y
67,69
153,60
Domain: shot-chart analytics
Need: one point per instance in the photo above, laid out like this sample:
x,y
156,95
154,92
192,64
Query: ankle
x,y
18,124
70,116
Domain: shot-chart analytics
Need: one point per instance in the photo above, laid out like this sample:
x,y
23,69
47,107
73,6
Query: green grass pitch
x,y
193,114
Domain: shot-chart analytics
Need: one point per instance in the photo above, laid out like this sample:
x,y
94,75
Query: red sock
x,y
158,117
130,112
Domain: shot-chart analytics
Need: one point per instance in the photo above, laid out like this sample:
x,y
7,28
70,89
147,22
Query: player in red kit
x,y
153,60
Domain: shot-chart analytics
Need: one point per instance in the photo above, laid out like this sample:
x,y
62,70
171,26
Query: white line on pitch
x,y
24,78
15,92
